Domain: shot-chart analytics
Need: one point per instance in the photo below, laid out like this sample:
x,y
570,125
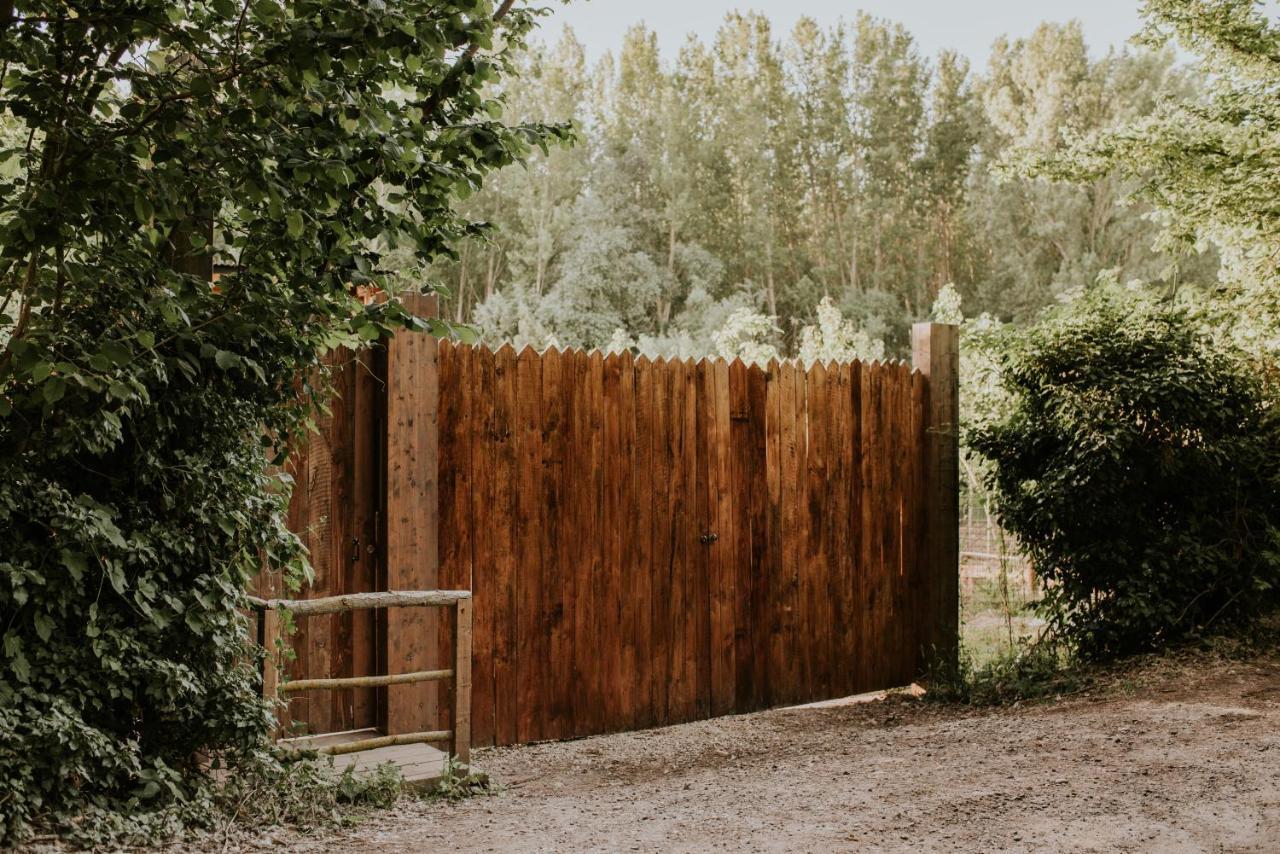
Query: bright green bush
x,y
1139,467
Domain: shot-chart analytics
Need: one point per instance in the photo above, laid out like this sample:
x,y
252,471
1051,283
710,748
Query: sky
x,y
969,26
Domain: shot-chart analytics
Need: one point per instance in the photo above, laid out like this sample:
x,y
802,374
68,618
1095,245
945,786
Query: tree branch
x,y
430,105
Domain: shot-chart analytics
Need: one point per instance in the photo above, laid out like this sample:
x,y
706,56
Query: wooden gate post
x,y
411,521
936,354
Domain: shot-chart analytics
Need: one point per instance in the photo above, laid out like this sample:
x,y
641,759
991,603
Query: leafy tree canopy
x,y
1210,167
295,143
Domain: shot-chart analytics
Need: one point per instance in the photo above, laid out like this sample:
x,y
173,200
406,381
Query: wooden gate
x,y
646,542
335,510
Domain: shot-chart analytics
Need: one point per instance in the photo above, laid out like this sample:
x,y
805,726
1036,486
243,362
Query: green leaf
x,y
143,209
226,360
54,389
75,562
116,576
294,223
44,626
41,371
117,352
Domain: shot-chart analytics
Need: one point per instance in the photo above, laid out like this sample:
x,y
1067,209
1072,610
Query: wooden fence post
x,y
936,354
411,557
461,748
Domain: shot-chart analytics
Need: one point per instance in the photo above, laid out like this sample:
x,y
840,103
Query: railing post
x,y
936,354
461,746
268,639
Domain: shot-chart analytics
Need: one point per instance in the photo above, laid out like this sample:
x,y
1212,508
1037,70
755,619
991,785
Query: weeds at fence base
x,y
304,792
461,782
1045,668
1029,670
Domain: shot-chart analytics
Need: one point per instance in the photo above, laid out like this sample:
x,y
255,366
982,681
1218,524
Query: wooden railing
x,y
458,738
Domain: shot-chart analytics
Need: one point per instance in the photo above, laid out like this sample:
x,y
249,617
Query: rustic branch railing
x,y
459,737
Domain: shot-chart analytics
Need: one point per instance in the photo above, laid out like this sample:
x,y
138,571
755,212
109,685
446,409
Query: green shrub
x,y
297,143
1138,467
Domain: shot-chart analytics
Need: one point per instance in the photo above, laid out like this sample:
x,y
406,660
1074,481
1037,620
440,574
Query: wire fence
x,y
990,556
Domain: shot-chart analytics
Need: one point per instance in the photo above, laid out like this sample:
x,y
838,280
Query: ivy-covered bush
x,y
293,141
1139,466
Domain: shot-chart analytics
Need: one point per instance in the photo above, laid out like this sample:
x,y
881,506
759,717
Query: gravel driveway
x,y
1172,757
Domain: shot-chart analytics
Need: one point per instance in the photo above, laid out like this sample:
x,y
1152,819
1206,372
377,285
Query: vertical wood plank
x,y
558,572
342,542
865,591
722,580
608,629
878,605
813,567
367,486
774,568
585,545
893,503
833,477
758,565
793,524
918,522
663,543
703,512
481,422
624,608
454,491
843,536
502,516
592,646
312,711
411,544
532,639
740,564
687,613
645,497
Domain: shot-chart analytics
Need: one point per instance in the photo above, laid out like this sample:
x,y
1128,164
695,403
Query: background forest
x,y
713,202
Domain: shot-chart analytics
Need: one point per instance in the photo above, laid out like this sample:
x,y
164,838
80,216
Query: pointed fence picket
x,y
647,541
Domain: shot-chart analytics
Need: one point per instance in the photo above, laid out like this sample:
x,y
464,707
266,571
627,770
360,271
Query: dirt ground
x,y
1169,757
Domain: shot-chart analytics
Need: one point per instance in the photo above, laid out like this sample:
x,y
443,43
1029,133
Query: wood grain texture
x,y
532,641
557,588
936,354
411,547
642,569
501,515
721,551
481,420
646,542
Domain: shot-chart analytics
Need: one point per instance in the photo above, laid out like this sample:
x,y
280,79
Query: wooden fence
x,y
647,542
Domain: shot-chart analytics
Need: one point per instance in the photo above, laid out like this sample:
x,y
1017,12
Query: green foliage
x,y
302,792
1210,167
765,171
1139,468
296,143
1027,670
460,782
